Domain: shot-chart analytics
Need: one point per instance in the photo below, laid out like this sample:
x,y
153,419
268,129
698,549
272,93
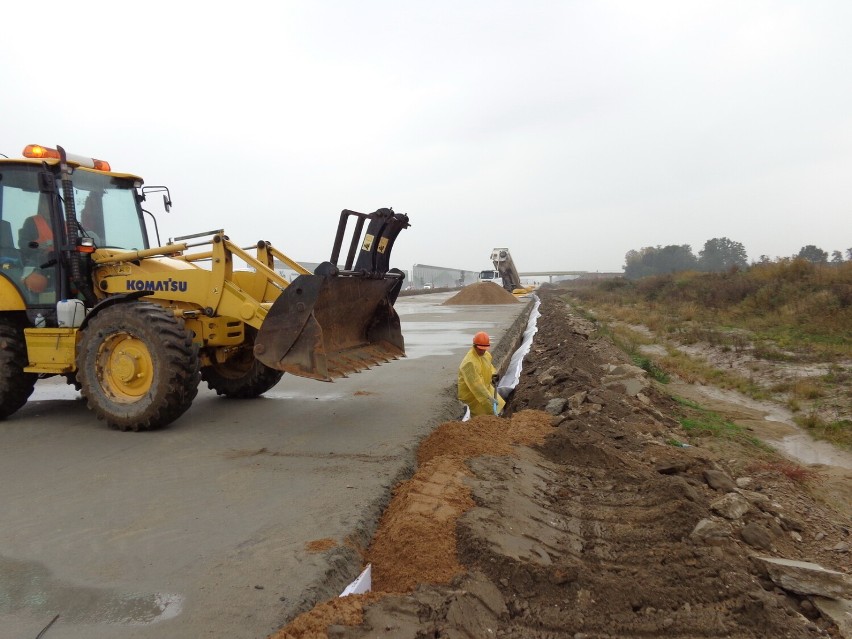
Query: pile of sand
x,y
482,293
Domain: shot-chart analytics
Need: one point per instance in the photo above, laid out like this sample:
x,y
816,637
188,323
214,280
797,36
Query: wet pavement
x,y
203,529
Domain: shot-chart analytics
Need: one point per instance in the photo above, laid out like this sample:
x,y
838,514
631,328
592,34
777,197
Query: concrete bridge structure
x,y
575,274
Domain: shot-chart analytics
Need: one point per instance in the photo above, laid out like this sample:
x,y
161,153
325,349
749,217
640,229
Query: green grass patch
x,y
651,368
698,421
687,403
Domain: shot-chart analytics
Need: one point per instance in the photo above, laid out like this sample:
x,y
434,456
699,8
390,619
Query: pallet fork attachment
x,y
340,321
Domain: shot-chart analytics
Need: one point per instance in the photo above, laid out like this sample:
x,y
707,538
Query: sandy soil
x,y
577,516
482,293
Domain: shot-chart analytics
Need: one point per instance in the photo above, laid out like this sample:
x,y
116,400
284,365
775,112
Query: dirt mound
x,y
482,293
417,534
416,541
586,520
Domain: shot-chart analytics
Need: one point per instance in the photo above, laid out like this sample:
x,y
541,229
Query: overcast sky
x,y
569,132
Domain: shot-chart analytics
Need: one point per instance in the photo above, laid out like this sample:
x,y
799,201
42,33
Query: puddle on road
x,y
432,303
439,338
402,311
29,586
769,422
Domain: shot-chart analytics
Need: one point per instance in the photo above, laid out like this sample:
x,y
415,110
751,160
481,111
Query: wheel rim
x,y
125,367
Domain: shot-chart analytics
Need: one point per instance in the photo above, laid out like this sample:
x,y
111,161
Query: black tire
x,y
137,366
15,385
242,376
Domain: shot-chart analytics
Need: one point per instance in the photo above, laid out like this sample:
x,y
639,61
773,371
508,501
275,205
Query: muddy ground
x,y
581,515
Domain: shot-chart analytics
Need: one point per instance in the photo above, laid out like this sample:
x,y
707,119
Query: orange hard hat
x,y
35,282
481,340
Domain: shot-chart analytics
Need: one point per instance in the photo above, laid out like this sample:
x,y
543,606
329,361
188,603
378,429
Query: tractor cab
x,y
36,240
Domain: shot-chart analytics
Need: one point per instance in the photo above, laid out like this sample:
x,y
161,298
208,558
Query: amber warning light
x,y
39,152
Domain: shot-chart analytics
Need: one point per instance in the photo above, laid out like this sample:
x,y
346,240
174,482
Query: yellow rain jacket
x,y
475,388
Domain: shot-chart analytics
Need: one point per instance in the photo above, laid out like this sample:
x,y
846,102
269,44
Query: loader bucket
x,y
327,326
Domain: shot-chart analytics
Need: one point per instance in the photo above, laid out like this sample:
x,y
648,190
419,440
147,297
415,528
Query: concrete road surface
x,y
205,528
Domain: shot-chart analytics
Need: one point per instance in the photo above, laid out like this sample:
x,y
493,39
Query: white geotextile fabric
x,y
513,370
363,583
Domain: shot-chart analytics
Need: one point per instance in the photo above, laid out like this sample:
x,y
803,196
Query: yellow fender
x,y
10,296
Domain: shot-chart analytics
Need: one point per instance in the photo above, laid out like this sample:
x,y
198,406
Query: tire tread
x,y
16,386
179,371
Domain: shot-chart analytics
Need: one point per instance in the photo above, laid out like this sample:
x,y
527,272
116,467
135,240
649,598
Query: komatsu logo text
x,y
168,285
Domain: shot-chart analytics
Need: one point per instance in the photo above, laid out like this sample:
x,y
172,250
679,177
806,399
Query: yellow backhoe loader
x,y
136,327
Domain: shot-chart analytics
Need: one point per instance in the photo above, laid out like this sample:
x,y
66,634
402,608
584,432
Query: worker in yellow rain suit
x,y
476,379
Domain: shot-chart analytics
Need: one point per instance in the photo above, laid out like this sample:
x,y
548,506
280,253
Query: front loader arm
x,y
322,325
205,279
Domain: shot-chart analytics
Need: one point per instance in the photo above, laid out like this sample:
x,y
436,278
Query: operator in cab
x,y
35,240
477,377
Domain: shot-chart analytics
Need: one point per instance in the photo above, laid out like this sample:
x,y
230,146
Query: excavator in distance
x,y
136,327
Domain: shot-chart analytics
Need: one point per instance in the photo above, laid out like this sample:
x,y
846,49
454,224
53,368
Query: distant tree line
x,y
718,255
